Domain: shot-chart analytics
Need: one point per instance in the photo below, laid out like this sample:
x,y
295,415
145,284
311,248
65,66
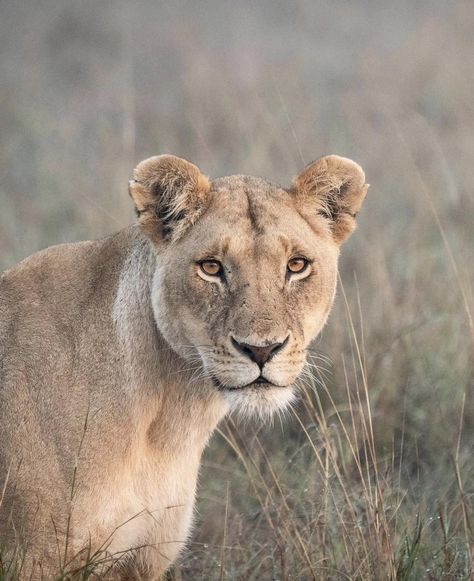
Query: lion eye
x,y
211,267
297,265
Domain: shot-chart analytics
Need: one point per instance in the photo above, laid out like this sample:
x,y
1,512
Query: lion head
x,y
246,270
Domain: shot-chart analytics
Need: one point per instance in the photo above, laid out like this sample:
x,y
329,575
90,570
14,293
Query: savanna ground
x,y
371,476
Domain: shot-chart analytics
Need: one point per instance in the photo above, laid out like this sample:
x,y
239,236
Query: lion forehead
x,y
242,207
242,181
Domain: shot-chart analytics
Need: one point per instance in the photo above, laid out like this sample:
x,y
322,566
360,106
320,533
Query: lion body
x,y
119,357
93,414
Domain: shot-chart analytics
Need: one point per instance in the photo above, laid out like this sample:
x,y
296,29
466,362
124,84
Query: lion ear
x,y
169,195
336,185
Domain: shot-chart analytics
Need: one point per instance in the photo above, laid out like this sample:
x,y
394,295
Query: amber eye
x,y
211,267
297,265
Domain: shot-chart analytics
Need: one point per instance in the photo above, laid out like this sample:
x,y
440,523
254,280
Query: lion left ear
x,y
336,185
170,194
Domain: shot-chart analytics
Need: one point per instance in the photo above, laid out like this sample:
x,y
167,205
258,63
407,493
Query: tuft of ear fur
x,y
169,195
337,186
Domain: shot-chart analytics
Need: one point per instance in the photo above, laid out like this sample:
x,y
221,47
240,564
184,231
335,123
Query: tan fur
x,y
117,362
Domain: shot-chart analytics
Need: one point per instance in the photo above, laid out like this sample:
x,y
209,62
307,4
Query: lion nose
x,y
260,355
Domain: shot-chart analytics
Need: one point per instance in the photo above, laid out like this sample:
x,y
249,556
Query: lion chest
x,y
149,504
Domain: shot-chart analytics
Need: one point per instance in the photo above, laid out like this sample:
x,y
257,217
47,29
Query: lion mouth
x,y
261,382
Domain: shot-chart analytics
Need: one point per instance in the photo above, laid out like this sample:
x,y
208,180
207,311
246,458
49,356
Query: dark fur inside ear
x,y
169,194
336,187
164,212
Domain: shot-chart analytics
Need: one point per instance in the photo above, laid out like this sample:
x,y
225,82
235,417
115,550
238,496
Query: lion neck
x,y
173,407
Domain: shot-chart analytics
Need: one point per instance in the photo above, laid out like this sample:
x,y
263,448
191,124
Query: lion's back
x,y
5,317
55,318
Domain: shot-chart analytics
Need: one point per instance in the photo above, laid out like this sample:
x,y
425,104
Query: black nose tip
x,y
260,355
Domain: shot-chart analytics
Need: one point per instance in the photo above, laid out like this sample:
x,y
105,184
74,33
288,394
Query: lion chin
x,y
260,401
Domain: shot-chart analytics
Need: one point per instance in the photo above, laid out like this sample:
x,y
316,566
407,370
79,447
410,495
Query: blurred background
x,y
372,475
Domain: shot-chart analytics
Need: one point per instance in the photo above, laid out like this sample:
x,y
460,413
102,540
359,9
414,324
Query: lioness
x,y
118,357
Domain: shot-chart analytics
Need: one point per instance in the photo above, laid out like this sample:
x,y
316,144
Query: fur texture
x,y
118,357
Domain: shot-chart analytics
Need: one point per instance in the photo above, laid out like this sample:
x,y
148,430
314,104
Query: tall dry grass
x,y
371,475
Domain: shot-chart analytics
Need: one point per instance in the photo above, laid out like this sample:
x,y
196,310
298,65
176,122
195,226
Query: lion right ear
x,y
335,186
169,195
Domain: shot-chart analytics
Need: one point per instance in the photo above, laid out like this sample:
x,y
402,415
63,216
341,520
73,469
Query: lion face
x,y
247,270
